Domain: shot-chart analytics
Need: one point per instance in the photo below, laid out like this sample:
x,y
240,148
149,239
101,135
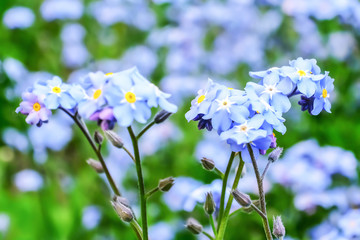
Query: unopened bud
x,y
125,213
98,137
166,183
96,165
278,228
194,226
161,116
275,154
114,138
209,205
207,164
243,199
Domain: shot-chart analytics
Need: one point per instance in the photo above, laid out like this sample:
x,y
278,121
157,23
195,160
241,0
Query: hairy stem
x,y
85,131
141,183
223,190
265,170
147,127
224,222
261,194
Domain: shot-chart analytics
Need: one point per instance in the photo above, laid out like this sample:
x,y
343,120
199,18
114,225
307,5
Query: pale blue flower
x,y
4,222
18,17
322,95
91,217
61,9
56,93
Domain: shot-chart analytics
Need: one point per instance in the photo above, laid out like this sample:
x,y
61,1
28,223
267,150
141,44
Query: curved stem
x,y
147,127
224,222
261,194
141,183
208,235
151,192
129,153
85,131
137,229
218,172
223,190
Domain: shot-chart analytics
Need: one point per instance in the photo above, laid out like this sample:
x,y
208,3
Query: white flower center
x,y
270,89
224,104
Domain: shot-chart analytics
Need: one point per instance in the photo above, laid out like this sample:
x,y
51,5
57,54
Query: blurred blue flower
x,y
16,139
28,180
91,217
4,222
18,17
34,108
73,33
75,55
61,9
55,93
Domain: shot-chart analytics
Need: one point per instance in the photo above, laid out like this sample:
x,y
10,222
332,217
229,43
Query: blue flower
x,y
94,85
322,95
34,108
128,99
56,93
304,73
226,108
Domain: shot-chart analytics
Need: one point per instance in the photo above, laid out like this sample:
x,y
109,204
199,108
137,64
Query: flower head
x,y
34,108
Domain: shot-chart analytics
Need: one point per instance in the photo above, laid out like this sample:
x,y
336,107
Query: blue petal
x,y
52,101
142,112
318,106
281,102
66,101
221,120
271,79
164,104
239,114
286,86
86,108
256,121
307,87
123,114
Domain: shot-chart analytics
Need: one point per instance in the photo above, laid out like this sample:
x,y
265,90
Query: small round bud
x,y
194,226
243,199
125,213
207,164
98,137
209,205
161,116
278,228
96,165
114,138
166,184
275,154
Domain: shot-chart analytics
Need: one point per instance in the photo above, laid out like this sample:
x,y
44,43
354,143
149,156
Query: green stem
x,y
141,183
151,192
137,229
223,190
212,224
218,172
147,127
261,194
208,235
129,153
85,131
224,222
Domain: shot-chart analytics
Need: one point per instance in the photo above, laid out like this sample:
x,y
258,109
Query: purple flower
x,y
104,117
34,108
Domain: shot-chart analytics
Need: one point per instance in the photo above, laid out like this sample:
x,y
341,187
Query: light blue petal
x,y
239,114
191,114
307,87
256,121
281,102
77,92
318,106
123,114
52,101
66,101
56,81
271,79
164,104
87,108
286,86
221,120
142,112
327,105
280,128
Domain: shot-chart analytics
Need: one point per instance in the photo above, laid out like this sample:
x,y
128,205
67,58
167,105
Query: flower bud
x,y
275,154
114,138
162,116
98,137
207,164
166,183
209,205
243,199
96,165
278,228
125,213
193,226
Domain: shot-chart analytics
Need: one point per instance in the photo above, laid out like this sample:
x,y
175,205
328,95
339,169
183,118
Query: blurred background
x,y
47,191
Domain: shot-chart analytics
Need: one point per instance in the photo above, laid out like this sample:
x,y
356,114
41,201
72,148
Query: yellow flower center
x,y
230,88
302,73
97,94
324,93
130,97
109,74
56,90
225,103
36,107
201,98
243,128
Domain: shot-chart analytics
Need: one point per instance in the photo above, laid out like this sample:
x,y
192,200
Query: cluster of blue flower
x,y
252,115
120,97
